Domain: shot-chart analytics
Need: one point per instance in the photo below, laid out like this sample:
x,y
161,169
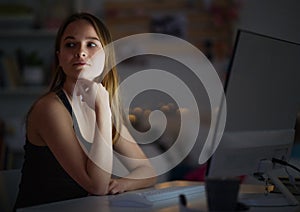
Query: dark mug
x,y
222,193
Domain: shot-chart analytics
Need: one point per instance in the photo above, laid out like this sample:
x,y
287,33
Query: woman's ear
x,y
57,55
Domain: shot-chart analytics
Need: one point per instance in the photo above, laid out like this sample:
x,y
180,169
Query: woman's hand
x,y
94,95
117,186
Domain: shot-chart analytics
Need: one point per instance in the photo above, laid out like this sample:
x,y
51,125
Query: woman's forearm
x,y
99,163
141,177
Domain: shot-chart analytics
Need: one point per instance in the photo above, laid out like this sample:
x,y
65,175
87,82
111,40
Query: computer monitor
x,y
262,97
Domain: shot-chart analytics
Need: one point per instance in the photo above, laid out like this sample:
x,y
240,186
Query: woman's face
x,y
81,53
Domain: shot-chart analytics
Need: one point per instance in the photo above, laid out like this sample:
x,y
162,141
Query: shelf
x,y
131,17
29,33
164,5
23,91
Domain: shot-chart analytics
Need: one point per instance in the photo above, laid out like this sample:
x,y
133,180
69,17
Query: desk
x,y
101,203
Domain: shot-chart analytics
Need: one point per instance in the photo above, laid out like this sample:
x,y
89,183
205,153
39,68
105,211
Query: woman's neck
x,y
69,87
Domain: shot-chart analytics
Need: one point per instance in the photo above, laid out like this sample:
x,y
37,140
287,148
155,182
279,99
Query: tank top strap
x,y
61,94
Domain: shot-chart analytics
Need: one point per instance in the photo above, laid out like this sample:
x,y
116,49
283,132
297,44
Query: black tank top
x,y
43,178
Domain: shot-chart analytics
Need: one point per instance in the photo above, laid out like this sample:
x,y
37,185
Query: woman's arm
x,y
53,124
141,175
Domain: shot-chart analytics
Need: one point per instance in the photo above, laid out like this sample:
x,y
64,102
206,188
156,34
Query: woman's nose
x,y
81,53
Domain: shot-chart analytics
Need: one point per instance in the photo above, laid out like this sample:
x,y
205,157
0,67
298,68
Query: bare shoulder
x,y
48,110
48,106
47,113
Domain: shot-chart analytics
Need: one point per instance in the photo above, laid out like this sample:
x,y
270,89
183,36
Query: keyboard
x,y
149,197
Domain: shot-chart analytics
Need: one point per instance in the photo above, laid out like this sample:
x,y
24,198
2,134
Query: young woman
x,y
56,167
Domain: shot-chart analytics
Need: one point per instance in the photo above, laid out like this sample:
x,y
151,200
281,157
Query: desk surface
x,y
101,203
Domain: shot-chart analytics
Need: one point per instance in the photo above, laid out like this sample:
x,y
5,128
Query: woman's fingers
x,y
115,187
88,91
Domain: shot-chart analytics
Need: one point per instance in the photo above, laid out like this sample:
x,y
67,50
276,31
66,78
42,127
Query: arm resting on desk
x,y
141,175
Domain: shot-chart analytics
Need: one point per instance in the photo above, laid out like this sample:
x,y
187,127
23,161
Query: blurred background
x,y
27,33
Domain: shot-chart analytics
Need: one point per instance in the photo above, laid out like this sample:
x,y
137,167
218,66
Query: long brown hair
x,y
109,78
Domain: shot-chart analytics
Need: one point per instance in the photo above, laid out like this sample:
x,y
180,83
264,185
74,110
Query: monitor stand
x,y
283,189
285,198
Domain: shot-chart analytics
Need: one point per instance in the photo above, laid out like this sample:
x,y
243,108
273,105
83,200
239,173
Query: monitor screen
x,y
262,97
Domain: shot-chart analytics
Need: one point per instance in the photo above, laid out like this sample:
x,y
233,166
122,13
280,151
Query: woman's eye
x,y
91,44
69,45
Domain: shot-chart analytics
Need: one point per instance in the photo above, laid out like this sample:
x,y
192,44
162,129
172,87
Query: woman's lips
x,y
80,64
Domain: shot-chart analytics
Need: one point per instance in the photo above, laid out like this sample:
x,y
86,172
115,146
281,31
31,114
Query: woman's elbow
x,y
98,190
